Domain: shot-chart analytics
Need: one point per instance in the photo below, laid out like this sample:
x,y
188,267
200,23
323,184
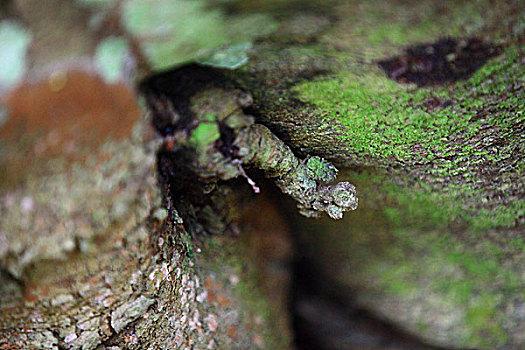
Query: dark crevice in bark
x,y
324,319
56,334
182,190
169,93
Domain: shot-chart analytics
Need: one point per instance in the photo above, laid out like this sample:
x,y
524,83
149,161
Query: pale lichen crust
x,y
301,180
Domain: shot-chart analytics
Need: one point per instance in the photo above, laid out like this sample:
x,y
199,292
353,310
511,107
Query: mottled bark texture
x,y
131,283
134,241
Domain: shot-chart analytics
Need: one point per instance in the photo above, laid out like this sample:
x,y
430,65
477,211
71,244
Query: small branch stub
x,y
225,140
303,181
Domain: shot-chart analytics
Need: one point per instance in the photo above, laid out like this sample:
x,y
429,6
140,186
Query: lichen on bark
x,y
296,178
224,140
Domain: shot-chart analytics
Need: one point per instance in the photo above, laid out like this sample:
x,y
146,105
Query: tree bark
x,y
99,248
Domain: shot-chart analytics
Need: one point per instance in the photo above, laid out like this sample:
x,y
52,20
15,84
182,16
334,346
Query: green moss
x,y
376,111
205,133
502,216
321,169
393,278
408,242
454,269
422,327
518,243
420,220
421,206
484,320
385,119
458,290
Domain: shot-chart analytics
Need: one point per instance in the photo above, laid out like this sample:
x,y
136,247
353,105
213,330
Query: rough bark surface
x,y
111,241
